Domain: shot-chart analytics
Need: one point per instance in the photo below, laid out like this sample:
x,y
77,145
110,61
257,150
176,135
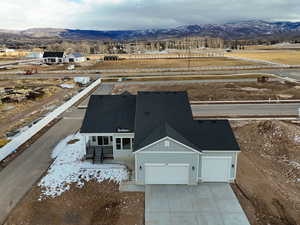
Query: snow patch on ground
x,y
68,168
67,86
295,164
297,139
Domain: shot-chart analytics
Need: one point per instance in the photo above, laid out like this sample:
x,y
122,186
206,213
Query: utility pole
x,y
188,51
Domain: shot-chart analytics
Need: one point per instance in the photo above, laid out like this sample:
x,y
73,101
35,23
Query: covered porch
x,y
110,148
99,148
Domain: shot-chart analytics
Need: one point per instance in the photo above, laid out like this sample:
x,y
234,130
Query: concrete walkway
x,y
205,204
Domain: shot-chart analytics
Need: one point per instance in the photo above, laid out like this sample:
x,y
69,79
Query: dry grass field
x,y
290,57
282,46
221,91
168,63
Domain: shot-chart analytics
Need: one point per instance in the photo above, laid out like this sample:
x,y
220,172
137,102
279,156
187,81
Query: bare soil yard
x,y
221,91
94,204
168,63
15,115
268,175
291,57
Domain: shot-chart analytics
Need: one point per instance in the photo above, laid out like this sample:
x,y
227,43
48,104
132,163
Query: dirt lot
x,y
95,204
221,91
268,175
168,63
16,115
291,57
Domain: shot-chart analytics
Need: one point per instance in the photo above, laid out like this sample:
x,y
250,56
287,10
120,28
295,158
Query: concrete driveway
x,y
205,204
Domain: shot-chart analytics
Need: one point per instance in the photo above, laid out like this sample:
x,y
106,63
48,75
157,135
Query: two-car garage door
x,y
162,173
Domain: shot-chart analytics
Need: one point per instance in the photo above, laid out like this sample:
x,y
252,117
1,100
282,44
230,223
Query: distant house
x,y
75,58
54,57
7,50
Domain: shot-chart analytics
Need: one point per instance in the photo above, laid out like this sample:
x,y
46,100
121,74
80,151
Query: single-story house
x,y
75,58
155,135
54,57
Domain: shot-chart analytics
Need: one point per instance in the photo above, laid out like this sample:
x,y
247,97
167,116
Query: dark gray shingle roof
x,y
109,113
160,114
53,55
155,115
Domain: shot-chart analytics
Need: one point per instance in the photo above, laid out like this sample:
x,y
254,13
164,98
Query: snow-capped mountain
x,y
235,30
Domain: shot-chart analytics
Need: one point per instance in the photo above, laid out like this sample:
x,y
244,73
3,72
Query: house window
x,y
118,144
124,143
103,140
93,138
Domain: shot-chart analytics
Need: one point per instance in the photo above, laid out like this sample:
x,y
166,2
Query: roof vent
x,y
167,143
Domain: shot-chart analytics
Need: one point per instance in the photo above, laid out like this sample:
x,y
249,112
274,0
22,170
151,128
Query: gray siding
x,y
160,146
226,154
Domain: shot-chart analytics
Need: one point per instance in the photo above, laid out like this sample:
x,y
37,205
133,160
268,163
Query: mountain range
x,y
252,29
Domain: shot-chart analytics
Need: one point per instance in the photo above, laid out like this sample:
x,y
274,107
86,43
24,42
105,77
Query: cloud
x,y
139,14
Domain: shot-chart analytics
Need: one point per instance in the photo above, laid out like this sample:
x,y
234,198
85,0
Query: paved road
x,y
227,110
23,172
291,73
290,109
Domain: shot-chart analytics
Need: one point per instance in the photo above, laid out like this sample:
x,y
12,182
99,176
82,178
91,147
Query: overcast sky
x,y
139,14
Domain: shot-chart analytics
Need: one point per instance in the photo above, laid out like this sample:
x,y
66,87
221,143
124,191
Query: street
x,y
288,109
291,73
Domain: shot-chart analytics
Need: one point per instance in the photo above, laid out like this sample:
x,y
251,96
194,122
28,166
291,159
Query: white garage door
x,y
216,169
166,173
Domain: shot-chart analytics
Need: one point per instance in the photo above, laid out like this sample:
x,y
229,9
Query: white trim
x,y
155,164
97,134
106,134
217,157
167,137
235,165
149,152
199,165
207,151
136,172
